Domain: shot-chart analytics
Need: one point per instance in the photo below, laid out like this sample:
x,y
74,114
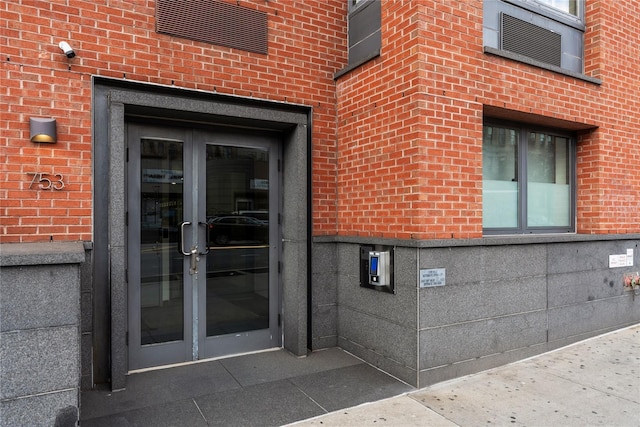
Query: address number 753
x,y
47,181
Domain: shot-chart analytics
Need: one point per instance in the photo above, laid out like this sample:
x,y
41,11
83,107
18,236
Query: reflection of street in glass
x,y
237,229
236,288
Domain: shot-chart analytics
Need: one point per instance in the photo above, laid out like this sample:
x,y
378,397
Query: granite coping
x,y
497,240
41,253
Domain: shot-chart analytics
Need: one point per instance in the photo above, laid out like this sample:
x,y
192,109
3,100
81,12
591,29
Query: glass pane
x,y
548,183
161,265
499,178
568,6
238,231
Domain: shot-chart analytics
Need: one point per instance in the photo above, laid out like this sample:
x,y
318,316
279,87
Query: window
x,y
567,6
365,39
527,180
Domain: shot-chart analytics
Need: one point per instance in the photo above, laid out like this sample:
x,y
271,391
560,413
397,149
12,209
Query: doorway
x,y
202,243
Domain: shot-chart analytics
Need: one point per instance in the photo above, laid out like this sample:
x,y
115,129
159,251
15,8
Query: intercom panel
x,y
376,267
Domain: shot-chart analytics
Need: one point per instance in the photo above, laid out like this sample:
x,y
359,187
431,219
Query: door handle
x,y
181,248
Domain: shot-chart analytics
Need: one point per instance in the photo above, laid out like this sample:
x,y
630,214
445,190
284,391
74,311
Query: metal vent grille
x,y
530,40
213,22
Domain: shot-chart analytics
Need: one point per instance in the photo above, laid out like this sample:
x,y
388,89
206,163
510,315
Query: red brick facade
x,y
410,121
397,142
307,45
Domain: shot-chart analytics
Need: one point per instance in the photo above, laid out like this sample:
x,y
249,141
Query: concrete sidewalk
x,y
593,382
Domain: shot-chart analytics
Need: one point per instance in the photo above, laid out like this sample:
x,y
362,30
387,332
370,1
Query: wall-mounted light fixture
x,y
43,129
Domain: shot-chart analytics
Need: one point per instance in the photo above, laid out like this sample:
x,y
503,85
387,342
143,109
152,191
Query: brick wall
x,y
307,45
609,158
396,142
426,181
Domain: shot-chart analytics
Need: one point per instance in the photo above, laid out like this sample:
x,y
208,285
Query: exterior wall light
x,y
43,130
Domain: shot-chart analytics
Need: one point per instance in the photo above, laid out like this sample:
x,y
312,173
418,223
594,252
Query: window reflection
x,y
568,6
238,225
161,266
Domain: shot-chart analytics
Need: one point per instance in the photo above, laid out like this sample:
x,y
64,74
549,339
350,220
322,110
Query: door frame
x,y
113,102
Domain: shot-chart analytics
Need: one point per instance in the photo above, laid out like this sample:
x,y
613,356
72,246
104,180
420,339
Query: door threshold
x,y
193,362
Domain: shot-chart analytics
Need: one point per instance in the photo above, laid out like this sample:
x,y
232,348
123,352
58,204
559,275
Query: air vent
x,y
214,22
530,40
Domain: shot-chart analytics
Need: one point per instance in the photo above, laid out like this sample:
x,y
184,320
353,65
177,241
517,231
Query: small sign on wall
x,y
430,277
621,260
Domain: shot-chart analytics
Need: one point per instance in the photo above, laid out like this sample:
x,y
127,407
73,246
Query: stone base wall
x,y
40,333
501,300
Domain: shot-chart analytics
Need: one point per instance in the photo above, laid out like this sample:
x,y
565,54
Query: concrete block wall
x,y
504,299
40,333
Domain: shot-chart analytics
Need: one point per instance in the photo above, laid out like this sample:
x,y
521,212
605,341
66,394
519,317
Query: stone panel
x,y
587,256
583,286
52,409
39,361
578,319
349,260
118,325
325,326
391,340
444,305
324,274
86,359
486,263
294,298
459,342
38,296
462,264
407,374
324,297
513,262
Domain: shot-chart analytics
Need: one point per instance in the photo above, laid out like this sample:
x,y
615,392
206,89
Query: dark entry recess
x,y
104,349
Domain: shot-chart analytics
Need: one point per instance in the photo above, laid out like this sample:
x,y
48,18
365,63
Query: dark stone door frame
x,y
113,101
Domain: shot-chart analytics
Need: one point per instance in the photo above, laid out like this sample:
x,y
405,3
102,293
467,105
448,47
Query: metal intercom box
x,y
376,267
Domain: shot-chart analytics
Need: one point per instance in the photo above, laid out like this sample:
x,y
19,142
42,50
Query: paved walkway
x,y
262,389
591,383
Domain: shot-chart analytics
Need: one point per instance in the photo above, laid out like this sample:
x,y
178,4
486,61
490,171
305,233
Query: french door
x,y
202,242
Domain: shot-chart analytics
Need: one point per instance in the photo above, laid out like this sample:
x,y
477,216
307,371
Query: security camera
x,y
67,49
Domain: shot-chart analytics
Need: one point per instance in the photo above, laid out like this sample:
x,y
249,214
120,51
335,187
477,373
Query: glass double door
x,y
202,242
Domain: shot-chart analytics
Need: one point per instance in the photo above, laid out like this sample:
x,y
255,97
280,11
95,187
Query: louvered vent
x,y
213,22
530,40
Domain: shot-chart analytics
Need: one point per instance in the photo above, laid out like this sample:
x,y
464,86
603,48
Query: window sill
x,y
527,60
355,65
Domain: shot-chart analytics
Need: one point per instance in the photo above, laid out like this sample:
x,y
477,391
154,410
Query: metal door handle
x,y
181,248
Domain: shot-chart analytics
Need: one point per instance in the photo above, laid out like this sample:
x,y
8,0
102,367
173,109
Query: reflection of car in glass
x,y
224,230
262,216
